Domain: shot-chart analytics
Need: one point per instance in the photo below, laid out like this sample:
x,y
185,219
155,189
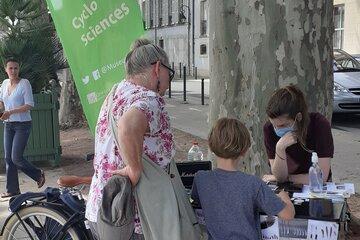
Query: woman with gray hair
x,y
143,125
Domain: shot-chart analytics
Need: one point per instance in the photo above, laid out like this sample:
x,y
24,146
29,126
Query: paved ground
x,y
191,117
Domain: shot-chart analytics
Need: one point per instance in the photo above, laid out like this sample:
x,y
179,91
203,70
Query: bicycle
x,y
56,213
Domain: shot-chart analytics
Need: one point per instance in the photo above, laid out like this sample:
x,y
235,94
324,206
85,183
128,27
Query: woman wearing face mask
x,y
291,134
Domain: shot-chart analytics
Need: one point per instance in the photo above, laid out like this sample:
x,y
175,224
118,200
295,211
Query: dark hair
x,y
11,59
229,138
289,101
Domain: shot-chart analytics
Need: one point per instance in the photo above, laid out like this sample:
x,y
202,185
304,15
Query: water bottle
x,y
315,177
195,153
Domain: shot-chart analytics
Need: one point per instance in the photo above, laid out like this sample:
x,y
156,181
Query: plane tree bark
x,y
259,46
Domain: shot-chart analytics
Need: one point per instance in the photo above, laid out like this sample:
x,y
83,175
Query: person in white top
x,y
16,100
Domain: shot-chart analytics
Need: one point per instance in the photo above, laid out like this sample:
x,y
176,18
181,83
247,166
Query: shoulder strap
x,y
111,119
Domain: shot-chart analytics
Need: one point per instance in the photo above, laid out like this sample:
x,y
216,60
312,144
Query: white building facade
x,y
181,28
347,25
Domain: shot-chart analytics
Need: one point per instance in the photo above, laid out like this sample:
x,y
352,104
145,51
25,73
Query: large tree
x,y
259,46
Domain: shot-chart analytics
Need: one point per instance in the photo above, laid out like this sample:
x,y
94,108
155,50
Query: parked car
x,y
356,56
346,83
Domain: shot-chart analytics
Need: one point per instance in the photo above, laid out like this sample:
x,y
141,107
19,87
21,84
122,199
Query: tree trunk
x,y
70,113
259,46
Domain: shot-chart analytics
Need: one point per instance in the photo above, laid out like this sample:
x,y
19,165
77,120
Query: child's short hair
x,y
229,138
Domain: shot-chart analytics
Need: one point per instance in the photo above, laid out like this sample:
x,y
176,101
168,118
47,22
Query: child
x,y
231,200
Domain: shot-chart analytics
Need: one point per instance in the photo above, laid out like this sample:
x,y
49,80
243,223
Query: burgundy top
x,y
318,139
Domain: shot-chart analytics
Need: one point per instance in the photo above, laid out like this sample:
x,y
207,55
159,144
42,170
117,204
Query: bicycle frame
x,y
75,219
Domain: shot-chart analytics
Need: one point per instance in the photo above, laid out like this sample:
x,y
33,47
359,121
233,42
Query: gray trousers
x,y
93,228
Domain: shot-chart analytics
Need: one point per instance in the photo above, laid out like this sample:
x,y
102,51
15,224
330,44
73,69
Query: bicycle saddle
x,y
73,181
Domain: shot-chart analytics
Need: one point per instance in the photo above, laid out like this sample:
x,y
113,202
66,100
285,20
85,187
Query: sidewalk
x,y
189,116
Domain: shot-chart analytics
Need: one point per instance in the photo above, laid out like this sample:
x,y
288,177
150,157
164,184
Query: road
x,y
347,123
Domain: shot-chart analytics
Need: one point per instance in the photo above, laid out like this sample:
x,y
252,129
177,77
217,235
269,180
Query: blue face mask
x,y
280,132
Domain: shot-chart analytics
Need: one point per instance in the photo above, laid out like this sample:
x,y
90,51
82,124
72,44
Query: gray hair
x,y
142,54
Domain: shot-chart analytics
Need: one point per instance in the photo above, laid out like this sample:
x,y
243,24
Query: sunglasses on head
x,y
171,71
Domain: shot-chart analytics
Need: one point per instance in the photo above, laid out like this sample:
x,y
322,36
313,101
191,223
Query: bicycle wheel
x,y
38,223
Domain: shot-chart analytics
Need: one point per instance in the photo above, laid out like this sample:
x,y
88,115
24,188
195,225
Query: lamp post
x,y
193,35
188,30
155,21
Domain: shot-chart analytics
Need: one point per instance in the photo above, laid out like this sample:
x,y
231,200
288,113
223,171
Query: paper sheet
x,y
321,230
269,227
297,229
332,191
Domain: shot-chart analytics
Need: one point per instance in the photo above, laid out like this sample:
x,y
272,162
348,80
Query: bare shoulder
x,y
134,119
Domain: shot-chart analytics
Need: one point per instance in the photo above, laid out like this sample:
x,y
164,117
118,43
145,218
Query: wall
x,y
201,61
175,36
351,25
175,42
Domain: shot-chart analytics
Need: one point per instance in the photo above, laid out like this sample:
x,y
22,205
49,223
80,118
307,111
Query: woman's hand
x,y
5,115
132,174
287,140
269,178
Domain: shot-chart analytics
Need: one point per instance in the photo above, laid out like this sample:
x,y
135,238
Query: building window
x,y
339,26
203,49
203,17
181,3
143,9
160,12
170,12
182,18
151,13
203,27
161,43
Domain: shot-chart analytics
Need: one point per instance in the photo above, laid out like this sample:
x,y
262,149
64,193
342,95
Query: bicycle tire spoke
x,y
38,226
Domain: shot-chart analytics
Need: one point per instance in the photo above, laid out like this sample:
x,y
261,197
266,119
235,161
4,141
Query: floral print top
x,y
158,143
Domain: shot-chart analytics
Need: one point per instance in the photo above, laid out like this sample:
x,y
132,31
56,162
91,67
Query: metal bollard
x,y
180,70
202,92
169,89
184,88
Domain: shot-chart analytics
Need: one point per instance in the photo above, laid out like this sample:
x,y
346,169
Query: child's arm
x,y
288,211
273,205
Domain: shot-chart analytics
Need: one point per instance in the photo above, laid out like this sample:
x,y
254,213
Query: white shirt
x,y
21,95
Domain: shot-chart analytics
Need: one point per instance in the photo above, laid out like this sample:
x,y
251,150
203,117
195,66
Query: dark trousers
x,y
16,135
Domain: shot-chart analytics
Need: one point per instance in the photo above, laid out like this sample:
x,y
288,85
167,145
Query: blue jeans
x,y
16,135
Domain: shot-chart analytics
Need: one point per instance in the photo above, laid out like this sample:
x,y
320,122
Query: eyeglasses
x,y
171,71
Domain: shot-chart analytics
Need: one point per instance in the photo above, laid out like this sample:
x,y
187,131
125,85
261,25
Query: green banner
x,y
96,36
